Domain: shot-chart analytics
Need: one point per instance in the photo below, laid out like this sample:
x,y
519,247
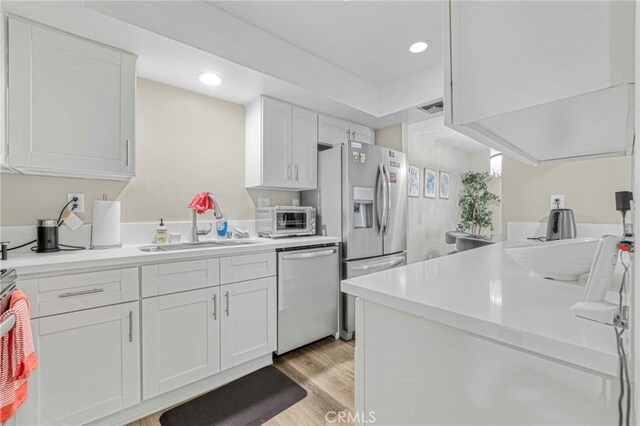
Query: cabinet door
x,y
172,323
276,143
362,134
70,104
305,149
89,366
332,130
248,325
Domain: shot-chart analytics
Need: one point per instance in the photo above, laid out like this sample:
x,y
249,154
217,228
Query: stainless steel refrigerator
x,y
362,198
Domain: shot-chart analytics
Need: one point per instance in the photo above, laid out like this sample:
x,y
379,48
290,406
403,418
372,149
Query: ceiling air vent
x,y
432,107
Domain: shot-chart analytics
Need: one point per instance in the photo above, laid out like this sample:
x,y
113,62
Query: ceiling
x,y
176,40
171,62
331,49
369,39
435,130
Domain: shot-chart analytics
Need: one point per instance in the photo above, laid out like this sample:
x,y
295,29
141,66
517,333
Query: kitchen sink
x,y
563,260
197,245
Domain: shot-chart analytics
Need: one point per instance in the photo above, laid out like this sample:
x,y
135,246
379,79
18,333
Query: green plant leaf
x,y
475,202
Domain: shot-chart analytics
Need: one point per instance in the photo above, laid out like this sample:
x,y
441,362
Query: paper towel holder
x,y
100,247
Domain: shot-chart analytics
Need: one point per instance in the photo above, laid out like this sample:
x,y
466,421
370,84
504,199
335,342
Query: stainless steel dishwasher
x,y
308,295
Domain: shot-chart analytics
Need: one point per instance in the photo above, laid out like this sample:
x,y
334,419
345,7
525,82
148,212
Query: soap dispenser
x,y
162,233
221,227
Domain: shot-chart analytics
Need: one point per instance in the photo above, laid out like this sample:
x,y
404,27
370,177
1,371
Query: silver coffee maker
x,y
561,225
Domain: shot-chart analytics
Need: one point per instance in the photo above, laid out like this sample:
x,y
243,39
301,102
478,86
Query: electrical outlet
x,y
264,202
80,202
557,201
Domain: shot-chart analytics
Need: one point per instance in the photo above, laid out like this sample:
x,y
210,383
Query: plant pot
x,y
472,241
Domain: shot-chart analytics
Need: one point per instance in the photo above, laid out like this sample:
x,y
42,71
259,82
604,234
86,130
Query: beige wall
x,y
186,142
588,187
393,137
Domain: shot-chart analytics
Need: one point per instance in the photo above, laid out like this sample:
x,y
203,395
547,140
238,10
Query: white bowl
x,y
563,260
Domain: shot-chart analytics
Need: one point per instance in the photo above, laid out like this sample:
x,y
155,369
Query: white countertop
x,y
484,292
42,263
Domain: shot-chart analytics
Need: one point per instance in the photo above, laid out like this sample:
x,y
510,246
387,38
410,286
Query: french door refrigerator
x,y
362,198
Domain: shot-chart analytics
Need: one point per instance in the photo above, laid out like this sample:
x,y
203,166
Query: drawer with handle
x,y
69,293
247,267
176,277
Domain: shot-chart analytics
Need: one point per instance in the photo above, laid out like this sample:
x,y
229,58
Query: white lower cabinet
x,y
99,360
89,366
248,321
180,339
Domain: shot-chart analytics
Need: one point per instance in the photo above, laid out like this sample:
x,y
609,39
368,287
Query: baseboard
x,y
183,394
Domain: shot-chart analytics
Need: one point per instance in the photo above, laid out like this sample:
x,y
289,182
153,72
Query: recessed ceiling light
x,y
419,46
209,79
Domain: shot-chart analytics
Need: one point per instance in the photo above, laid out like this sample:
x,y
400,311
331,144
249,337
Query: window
x,y
495,163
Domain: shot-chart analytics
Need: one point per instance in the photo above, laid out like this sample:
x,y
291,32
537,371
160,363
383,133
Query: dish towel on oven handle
x,y
17,357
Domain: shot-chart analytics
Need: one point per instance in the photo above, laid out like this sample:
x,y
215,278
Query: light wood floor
x,y
324,369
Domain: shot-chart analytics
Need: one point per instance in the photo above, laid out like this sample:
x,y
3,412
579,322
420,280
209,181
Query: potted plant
x,y
475,201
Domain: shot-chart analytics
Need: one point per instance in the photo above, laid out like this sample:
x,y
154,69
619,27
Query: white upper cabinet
x,y
281,146
276,143
70,104
362,134
333,131
541,81
305,152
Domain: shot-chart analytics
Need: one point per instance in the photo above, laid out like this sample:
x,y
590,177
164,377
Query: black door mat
x,y
250,400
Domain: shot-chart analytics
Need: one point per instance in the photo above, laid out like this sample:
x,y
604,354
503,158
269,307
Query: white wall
x,y
185,143
429,219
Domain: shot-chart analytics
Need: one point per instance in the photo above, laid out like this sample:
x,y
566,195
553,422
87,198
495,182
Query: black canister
x,y
47,233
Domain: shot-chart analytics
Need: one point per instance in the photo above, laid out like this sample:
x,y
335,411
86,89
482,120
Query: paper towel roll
x,y
105,231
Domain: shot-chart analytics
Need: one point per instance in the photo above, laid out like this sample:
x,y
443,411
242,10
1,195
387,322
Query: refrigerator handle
x,y
385,264
387,184
380,185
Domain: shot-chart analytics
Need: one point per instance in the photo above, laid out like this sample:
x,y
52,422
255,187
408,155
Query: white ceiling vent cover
x,y
432,107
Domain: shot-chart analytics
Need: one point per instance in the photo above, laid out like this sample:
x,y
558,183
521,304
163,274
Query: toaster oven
x,y
285,221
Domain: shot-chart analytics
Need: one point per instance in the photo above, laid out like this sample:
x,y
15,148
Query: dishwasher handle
x,y
309,255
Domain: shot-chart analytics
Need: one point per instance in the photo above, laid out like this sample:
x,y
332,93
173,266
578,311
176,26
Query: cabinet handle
x,y
215,308
81,293
353,135
296,171
288,171
348,135
130,326
226,295
127,153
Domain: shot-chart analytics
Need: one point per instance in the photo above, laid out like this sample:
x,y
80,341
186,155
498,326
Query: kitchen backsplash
x,y
131,233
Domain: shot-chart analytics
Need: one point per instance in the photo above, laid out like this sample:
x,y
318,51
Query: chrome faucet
x,y
195,232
